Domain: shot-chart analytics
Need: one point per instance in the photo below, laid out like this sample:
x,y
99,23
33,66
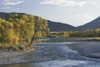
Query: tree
x,y
7,35
22,29
23,26
39,26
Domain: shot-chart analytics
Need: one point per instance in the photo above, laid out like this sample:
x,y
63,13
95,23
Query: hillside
x,y
91,25
57,26
54,26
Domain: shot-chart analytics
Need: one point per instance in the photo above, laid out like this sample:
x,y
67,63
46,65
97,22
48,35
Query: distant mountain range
x,y
58,26
91,25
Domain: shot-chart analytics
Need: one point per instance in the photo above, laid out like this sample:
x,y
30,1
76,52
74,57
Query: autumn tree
x,y
22,29
40,26
23,26
7,36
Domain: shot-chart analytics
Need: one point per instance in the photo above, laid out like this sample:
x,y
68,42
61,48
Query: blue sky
x,y
73,12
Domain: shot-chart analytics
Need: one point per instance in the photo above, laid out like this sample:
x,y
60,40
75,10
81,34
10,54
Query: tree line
x,y
85,33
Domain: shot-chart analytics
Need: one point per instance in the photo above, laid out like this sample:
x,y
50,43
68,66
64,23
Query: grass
x,y
82,38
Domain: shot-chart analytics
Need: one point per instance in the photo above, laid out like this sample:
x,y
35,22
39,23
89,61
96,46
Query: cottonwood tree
x,y
21,29
39,26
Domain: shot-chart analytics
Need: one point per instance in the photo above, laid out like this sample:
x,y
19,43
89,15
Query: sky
x,y
73,12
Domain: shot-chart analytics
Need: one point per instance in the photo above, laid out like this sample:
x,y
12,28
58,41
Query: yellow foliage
x,y
21,28
38,34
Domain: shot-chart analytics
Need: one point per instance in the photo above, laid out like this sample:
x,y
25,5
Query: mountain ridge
x,y
94,24
54,26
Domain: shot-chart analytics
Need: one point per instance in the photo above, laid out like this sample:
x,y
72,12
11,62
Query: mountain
x,y
54,26
58,26
91,25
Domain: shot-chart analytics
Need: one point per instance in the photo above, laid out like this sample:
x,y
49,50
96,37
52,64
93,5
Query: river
x,y
62,53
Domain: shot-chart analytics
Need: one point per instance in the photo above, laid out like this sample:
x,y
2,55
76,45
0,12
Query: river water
x,y
53,52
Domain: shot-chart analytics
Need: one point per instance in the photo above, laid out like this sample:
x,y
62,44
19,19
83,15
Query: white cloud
x,y
11,2
68,2
84,17
7,7
10,8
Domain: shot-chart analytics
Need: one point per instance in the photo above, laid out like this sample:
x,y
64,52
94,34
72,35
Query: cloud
x,y
11,2
7,7
67,2
84,17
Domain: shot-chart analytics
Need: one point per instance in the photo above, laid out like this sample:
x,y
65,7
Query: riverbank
x,y
15,57
81,38
44,52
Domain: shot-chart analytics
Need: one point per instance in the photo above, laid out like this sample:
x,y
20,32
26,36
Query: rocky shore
x,y
43,53
14,57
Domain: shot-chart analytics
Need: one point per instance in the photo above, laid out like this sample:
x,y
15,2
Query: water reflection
x,y
48,40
